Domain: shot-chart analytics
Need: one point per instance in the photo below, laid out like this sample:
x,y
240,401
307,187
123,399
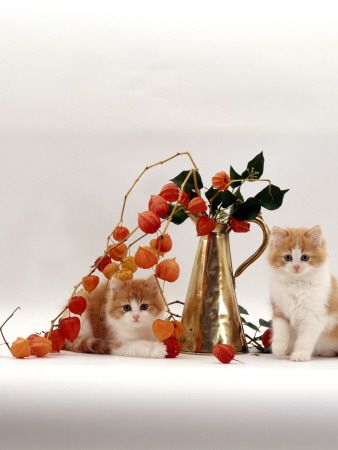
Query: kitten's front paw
x,y
279,349
300,356
159,350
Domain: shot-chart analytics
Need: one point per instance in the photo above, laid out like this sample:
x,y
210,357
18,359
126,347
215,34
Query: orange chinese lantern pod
x,y
70,328
224,353
120,233
58,340
129,264
145,257
170,192
105,261
166,243
168,270
197,206
152,244
21,348
162,329
110,269
179,329
40,346
123,275
184,199
173,347
117,253
267,338
149,222
77,305
158,205
90,282
31,337
221,181
205,225
239,226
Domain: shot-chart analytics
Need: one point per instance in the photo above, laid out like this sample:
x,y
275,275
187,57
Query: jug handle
x,y
266,235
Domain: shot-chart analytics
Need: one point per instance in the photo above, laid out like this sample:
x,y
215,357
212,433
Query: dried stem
x,y
3,337
109,248
163,233
138,178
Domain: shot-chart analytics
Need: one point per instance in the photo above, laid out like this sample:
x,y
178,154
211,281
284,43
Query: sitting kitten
x,y
304,295
118,319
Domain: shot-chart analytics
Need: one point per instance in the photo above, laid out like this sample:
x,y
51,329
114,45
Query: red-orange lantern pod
x,y
170,192
40,346
267,338
166,243
149,222
90,282
77,305
168,270
224,353
184,199
239,226
221,181
205,225
104,262
21,348
197,206
70,328
120,233
117,253
145,257
58,340
158,205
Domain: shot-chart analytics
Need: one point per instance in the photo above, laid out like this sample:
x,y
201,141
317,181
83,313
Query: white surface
x,y
192,402
91,93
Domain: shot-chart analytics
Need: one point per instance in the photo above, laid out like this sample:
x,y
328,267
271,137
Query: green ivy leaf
x,y
216,201
235,176
227,199
265,324
211,192
242,310
179,179
239,195
271,198
262,349
248,210
178,217
255,166
252,325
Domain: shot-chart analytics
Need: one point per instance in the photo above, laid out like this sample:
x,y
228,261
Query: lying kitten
x,y
118,319
304,295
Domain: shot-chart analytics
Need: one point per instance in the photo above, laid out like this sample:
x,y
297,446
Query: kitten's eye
x,y
127,307
287,258
144,306
305,257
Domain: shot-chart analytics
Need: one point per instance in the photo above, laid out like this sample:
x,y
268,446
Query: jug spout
x,y
211,315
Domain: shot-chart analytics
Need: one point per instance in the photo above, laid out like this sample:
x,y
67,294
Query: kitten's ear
x,y
315,234
151,283
277,234
114,284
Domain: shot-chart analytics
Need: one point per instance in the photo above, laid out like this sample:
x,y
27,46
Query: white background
x,y
93,92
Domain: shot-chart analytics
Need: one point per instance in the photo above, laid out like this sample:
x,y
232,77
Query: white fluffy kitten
x,y
304,295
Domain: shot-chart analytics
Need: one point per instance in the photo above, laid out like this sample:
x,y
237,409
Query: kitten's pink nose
x,y
136,317
296,267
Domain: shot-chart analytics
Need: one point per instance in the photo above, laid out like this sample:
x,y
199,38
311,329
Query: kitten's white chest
x,y
297,298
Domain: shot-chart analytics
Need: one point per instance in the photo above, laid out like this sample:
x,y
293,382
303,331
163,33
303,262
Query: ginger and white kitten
x,y
304,295
118,319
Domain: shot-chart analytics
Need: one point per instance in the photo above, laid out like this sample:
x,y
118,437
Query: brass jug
x,y
211,315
